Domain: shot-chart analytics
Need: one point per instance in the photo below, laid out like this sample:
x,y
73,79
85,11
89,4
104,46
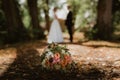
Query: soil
x,y
95,60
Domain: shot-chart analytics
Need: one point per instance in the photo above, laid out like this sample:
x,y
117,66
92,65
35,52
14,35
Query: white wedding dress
x,y
55,33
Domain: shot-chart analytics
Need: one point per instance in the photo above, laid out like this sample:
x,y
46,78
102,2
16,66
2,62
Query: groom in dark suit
x,y
69,23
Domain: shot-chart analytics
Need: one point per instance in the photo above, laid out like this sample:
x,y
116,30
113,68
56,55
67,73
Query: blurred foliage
x,y
25,13
116,14
43,6
85,15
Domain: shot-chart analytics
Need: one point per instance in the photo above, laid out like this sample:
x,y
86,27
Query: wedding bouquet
x,y
56,57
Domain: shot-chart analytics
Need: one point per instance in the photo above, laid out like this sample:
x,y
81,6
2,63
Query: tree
x,y
13,21
104,20
116,14
46,11
33,10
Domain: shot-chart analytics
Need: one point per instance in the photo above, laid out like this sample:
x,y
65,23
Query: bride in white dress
x,y
55,33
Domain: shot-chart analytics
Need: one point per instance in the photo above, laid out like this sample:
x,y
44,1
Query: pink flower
x,y
56,55
56,61
67,58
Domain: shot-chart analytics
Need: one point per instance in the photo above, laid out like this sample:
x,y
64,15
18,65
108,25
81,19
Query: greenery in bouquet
x,y
56,57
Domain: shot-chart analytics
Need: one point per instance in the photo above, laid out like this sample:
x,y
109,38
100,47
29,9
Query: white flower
x,y
49,54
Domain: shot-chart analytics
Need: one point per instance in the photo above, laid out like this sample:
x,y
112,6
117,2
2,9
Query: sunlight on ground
x,y
93,53
7,57
76,37
89,53
101,44
79,37
100,55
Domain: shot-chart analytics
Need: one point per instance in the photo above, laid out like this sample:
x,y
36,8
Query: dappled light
x,y
25,61
7,57
59,40
92,63
102,44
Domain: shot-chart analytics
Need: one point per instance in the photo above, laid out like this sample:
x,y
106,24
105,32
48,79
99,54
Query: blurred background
x,y
24,20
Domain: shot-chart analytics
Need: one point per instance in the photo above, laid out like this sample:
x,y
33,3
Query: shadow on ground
x,y
24,67
27,66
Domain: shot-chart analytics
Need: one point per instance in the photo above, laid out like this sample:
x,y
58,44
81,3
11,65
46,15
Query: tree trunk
x,y
13,20
46,11
104,20
12,14
32,4
33,10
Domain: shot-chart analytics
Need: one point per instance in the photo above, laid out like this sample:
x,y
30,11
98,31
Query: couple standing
x,y
55,33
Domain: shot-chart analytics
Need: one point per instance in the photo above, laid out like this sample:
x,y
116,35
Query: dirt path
x,y
100,54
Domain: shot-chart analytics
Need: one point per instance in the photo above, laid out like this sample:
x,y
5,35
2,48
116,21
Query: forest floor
x,y
96,60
